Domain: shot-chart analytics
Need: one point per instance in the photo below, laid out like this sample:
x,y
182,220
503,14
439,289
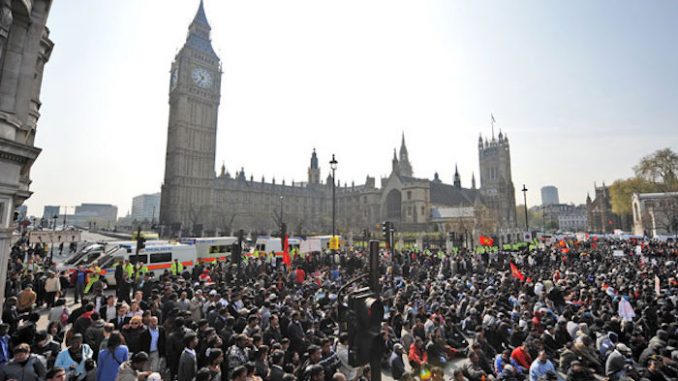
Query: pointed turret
x,y
223,169
199,32
313,170
200,24
314,159
394,163
473,180
457,178
405,166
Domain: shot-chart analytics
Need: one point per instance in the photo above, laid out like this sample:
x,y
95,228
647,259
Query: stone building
x,y
601,219
655,214
25,48
195,200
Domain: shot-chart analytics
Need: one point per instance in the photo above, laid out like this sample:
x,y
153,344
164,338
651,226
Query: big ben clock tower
x,y
194,93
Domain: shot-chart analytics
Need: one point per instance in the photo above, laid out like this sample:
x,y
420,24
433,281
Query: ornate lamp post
x,y
51,246
524,190
281,215
333,165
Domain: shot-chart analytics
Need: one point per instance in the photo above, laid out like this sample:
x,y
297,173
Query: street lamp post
x,y
524,190
51,246
333,165
281,213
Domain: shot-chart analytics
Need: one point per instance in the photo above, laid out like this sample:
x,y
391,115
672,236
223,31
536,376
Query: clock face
x,y
202,77
175,79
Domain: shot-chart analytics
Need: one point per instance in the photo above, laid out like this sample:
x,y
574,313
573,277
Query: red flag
x,y
286,252
515,272
486,241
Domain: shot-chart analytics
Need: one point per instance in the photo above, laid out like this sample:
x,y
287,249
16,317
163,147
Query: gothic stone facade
x,y
25,48
197,201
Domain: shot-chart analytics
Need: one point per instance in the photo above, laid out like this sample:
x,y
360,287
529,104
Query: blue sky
x,y
584,89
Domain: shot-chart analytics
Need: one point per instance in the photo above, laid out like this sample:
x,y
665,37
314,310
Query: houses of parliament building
x,y
195,200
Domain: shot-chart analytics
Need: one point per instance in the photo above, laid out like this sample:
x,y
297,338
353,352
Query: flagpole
x,y
492,122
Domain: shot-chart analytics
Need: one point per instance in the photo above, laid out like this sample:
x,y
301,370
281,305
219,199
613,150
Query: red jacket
x,y
522,357
416,356
301,276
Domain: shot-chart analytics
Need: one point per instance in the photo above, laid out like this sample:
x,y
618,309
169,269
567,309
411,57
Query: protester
x,y
24,366
265,319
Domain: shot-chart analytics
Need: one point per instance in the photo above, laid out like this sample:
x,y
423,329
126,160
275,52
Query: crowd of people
x,y
532,314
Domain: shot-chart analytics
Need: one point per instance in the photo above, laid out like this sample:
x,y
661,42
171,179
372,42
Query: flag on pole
x,y
515,272
492,116
286,252
486,241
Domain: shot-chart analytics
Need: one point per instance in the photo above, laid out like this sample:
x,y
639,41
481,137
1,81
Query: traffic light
x,y
236,253
141,242
283,232
364,315
386,229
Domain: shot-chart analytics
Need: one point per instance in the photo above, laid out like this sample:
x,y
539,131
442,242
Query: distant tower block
x,y
549,195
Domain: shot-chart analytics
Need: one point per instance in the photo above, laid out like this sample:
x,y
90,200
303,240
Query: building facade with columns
x,y
25,48
196,200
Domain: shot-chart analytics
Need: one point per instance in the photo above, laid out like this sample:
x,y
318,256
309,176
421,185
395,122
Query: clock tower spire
x,y
194,97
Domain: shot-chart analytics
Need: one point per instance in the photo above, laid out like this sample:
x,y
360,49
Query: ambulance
x,y
156,258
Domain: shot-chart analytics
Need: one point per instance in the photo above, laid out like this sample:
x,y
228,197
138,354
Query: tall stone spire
x,y
200,23
199,32
405,166
457,178
473,181
314,170
395,167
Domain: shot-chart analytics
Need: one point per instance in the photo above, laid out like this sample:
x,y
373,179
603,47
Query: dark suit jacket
x,y
146,341
117,325
102,311
277,373
188,367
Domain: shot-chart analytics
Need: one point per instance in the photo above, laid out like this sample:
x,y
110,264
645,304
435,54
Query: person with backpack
x,y
111,357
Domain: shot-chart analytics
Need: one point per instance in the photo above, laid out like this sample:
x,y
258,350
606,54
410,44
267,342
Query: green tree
x,y
621,192
535,216
661,168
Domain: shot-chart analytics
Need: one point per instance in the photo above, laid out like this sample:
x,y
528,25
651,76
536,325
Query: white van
x,y
269,244
211,249
93,252
157,258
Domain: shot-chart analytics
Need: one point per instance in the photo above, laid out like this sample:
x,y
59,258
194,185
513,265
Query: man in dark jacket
x,y
45,346
94,334
121,319
188,362
396,362
175,344
23,366
153,342
277,371
296,334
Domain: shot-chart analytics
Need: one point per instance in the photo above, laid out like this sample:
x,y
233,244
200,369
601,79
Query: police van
x,y
211,249
156,258
270,244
